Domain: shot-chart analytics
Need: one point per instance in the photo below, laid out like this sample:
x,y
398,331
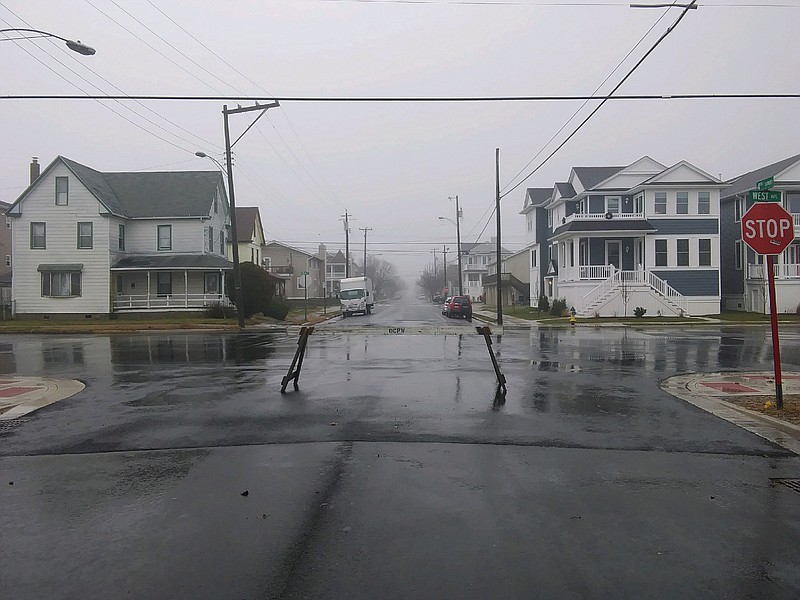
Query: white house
x,y
90,243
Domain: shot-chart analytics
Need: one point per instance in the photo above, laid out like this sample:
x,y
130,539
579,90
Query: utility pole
x,y
499,253
433,292
444,254
365,230
458,246
346,244
237,272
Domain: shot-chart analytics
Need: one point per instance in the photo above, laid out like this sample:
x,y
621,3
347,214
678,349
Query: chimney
x,y
35,169
323,251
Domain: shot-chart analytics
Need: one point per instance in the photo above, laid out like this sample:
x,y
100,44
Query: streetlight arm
x,y
75,46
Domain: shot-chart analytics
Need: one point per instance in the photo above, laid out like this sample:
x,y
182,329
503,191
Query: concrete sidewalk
x,y
22,395
709,391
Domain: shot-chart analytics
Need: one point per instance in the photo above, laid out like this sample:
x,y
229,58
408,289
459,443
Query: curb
x,y
782,433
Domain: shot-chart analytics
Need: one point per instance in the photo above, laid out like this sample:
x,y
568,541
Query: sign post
x,y
768,229
305,290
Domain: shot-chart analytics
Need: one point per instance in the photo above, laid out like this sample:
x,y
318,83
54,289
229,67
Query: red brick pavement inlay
x,y
16,391
730,387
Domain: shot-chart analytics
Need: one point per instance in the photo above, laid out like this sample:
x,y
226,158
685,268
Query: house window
x,y
661,253
222,242
529,219
165,237
704,248
550,218
211,239
474,278
8,260
682,203
38,236
268,264
638,204
85,236
738,252
661,203
703,203
122,237
571,253
8,222
62,191
683,253
211,285
164,283
61,284
119,285
533,257
612,204
216,207
737,209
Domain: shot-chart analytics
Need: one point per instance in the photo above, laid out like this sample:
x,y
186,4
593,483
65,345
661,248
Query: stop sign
x,y
767,228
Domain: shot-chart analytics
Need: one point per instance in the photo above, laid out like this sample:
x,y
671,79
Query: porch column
x,y
222,289
148,289
186,288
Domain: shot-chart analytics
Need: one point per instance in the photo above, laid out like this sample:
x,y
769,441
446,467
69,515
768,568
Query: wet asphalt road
x,y
395,471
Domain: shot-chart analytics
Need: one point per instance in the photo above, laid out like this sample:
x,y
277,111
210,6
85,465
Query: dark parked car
x,y
459,306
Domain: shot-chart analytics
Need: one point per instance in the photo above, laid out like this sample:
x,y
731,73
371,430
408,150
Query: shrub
x,y
277,309
544,304
257,289
559,307
639,311
218,310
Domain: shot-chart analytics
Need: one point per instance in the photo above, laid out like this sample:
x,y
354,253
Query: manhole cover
x,y
792,484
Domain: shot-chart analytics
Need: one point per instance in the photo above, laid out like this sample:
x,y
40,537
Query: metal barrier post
x,y
486,332
293,375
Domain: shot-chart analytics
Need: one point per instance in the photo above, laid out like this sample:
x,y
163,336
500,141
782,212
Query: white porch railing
x,y
170,301
612,286
796,219
783,271
594,271
602,217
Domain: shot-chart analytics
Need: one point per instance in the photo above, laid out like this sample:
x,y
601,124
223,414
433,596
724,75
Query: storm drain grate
x,y
792,484
10,424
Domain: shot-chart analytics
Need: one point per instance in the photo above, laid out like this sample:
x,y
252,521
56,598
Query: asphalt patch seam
x,y
294,557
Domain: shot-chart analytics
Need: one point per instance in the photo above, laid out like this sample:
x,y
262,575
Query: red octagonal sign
x,y
767,228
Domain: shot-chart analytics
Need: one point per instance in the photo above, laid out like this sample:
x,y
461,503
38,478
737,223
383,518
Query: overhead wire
x,y
607,97
585,102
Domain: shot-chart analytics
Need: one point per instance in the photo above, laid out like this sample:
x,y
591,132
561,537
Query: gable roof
x,y
591,176
536,197
247,217
748,181
565,190
145,195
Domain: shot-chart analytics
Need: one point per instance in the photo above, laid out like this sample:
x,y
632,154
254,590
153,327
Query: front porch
x,y
174,283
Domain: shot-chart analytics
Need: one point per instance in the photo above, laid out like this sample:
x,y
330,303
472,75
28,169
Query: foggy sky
x,y
393,166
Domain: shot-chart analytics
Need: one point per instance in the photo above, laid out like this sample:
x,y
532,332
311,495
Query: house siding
x,y
686,226
697,282
61,248
730,232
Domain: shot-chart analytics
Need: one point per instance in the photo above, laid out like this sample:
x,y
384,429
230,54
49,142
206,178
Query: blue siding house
x,y
616,238
744,285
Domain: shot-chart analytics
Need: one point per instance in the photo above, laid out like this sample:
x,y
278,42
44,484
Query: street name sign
x,y
767,228
764,196
765,184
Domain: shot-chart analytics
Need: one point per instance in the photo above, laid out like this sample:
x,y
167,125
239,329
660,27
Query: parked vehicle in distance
x,y
459,306
444,306
356,296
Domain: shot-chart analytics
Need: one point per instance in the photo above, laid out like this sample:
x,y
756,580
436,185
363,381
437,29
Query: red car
x,y
459,306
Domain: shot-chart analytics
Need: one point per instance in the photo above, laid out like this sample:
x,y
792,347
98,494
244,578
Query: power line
x,y
407,99
607,97
585,102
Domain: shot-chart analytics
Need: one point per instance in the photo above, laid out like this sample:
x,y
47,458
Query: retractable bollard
x,y
293,375
486,332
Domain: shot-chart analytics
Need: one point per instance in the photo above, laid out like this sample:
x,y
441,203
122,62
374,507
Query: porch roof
x,y
605,226
170,262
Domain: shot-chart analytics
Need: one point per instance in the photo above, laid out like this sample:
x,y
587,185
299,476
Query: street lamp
x,y
72,45
458,243
202,154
